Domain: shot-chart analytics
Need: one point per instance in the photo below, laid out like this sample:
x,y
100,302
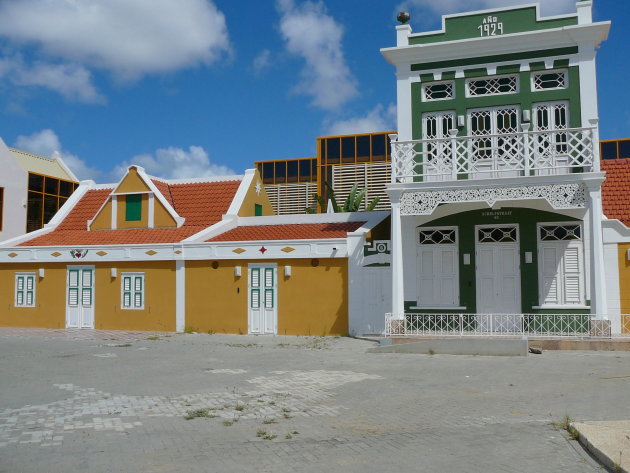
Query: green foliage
x,y
352,203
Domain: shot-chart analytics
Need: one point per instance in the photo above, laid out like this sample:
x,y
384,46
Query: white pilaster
x,y
403,105
114,220
599,305
588,83
180,294
398,293
402,35
585,12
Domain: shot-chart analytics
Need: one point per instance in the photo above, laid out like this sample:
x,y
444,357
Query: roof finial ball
x,y
403,17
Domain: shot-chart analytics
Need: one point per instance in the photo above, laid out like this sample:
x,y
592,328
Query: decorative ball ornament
x,y
403,17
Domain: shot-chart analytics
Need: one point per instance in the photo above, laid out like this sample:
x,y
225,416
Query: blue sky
x,y
199,87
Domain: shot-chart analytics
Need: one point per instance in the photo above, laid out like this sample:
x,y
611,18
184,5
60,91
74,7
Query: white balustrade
x,y
483,325
526,153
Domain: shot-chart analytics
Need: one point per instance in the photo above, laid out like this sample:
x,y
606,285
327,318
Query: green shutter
x,y
258,210
133,207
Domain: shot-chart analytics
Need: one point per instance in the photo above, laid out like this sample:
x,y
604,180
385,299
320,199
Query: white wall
x,y
14,180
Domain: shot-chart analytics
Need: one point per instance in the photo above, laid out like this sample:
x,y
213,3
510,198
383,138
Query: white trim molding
x,y
559,196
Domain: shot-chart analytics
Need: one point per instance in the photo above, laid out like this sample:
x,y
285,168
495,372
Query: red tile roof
x,y
302,231
616,189
201,204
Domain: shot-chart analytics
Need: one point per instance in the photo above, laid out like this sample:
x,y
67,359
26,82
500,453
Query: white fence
x,y
537,153
482,325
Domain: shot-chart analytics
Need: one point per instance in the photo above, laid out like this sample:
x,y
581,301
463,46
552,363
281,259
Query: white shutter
x,y
572,276
438,269
549,276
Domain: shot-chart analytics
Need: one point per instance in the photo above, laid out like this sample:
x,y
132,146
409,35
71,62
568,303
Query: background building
x,y
32,189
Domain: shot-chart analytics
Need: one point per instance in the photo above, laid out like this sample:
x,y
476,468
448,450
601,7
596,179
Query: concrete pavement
x,y
118,402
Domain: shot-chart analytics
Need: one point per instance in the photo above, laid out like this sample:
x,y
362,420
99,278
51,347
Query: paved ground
x,y
116,402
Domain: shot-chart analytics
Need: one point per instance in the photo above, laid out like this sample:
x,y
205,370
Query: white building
x,y
32,189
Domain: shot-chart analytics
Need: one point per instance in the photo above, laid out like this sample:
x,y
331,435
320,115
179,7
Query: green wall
x,y
526,220
514,21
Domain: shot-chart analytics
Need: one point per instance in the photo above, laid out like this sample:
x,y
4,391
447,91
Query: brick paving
x,y
117,401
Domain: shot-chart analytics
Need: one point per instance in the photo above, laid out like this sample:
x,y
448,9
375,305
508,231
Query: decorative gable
x,y
136,202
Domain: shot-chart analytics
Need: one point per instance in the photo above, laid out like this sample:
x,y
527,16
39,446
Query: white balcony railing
x,y
484,325
527,153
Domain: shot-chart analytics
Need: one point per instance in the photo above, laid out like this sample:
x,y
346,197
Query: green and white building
x,y
496,181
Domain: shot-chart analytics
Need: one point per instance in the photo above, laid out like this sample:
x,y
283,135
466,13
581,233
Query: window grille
x,y
560,232
25,290
494,86
497,235
438,91
291,198
550,80
437,237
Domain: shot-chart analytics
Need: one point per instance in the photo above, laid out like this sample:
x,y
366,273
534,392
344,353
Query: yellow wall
x,y
252,198
624,285
50,299
131,183
103,220
313,301
161,218
50,311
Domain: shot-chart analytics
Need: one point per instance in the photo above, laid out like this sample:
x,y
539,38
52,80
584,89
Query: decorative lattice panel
x,y
291,198
494,86
440,91
550,80
560,232
370,176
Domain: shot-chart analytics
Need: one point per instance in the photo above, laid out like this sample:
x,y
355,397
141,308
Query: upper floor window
x,y
46,195
438,91
549,80
133,207
492,86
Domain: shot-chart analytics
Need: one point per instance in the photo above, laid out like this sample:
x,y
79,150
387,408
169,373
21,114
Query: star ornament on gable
x,y
258,188
262,249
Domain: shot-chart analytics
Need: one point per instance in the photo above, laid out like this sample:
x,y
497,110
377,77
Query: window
x,y
132,291
25,290
46,195
549,80
438,91
133,207
492,86
560,264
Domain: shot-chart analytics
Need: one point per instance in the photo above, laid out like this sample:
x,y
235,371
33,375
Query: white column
x,y
403,101
180,294
599,305
398,293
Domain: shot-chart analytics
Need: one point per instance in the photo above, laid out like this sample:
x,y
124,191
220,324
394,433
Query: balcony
x,y
526,153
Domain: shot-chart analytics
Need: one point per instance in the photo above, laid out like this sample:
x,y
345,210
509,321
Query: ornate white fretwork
x,y
560,196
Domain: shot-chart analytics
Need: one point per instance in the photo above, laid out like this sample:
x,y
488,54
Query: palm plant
x,y
352,203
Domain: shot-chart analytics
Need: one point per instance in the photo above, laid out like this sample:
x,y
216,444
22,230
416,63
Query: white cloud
x,y
309,32
442,7
262,61
377,119
72,81
175,163
129,38
47,143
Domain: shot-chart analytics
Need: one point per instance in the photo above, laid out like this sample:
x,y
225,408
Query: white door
x,y
377,299
498,278
80,297
263,298
437,268
437,163
495,151
550,152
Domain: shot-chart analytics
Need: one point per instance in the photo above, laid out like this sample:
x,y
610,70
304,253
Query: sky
x,y
194,88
